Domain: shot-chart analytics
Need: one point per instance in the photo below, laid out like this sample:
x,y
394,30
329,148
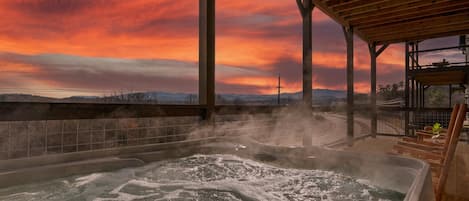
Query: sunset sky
x,y
92,47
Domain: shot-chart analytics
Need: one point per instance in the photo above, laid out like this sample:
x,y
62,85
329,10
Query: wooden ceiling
x,y
393,21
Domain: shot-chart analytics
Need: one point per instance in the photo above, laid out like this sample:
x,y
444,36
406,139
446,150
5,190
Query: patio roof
x,y
394,21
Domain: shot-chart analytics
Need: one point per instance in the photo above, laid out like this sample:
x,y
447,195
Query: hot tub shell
x,y
405,175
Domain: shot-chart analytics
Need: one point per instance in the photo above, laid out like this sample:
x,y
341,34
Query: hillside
x,y
320,96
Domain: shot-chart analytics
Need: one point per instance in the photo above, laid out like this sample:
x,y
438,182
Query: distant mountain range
x,y
320,96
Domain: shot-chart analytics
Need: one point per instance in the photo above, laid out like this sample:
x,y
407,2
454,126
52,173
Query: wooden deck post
x,y
450,96
207,56
406,90
348,32
306,9
374,111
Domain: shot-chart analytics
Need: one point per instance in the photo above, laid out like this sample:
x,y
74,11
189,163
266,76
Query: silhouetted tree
x,y
391,91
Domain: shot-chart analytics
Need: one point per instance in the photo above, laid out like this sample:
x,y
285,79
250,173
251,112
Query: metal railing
x,y
28,138
434,60
19,139
391,121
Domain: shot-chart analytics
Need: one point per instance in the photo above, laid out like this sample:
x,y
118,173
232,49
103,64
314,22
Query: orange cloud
x,y
125,29
17,68
241,51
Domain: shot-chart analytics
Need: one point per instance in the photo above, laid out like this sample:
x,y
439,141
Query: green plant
x,y
436,128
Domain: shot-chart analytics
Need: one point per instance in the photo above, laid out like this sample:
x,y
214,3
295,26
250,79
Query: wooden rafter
x,y
391,21
358,4
399,9
423,36
397,19
383,35
370,9
422,23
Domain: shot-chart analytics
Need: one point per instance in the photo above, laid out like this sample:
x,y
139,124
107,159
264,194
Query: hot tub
x,y
215,169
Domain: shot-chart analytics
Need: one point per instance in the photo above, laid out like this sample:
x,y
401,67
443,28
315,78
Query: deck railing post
x,y
104,135
62,137
77,135
348,32
10,141
28,140
45,137
91,135
147,134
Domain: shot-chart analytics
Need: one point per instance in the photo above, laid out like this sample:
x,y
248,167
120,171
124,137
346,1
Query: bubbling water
x,y
204,178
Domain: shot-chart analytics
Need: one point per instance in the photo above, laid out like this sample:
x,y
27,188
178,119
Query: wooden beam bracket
x,y
372,48
303,9
381,49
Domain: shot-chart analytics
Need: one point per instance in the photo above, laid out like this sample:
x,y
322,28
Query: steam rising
x,y
208,178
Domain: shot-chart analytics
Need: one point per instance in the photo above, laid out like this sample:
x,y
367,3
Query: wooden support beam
x,y
412,93
306,7
374,116
450,88
418,94
416,53
373,56
423,95
207,56
307,53
406,90
348,32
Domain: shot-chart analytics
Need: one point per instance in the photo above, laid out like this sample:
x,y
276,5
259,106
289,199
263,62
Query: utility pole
x,y
278,90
